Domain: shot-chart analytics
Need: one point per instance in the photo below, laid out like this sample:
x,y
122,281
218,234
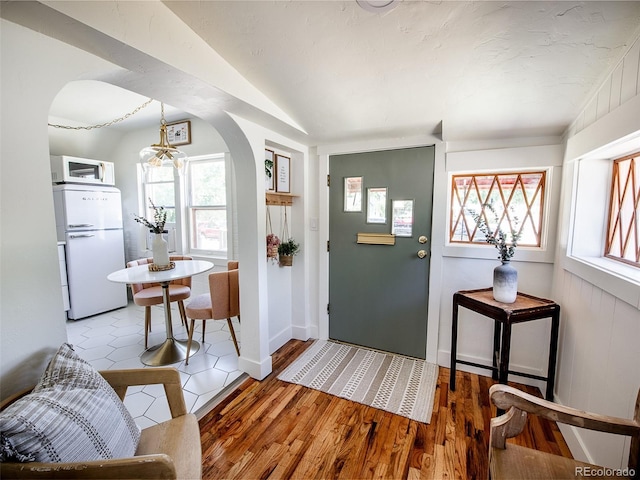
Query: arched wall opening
x,y
29,250
43,50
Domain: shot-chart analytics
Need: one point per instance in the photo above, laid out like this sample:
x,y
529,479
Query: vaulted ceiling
x,y
468,70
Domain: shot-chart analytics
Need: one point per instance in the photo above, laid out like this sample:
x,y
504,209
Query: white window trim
x,y
174,238
609,137
510,160
211,254
588,224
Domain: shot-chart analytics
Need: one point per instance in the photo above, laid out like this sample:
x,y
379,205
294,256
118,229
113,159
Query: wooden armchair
x,y
514,461
169,450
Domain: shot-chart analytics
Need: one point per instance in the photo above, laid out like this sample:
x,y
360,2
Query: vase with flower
x,y
505,276
159,245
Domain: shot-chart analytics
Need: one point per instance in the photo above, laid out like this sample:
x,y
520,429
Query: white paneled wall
x,y
598,365
620,86
599,345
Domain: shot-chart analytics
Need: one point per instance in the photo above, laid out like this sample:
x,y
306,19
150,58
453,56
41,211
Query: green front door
x,y
379,282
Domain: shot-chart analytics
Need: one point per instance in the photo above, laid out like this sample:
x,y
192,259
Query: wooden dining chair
x,y
148,294
509,461
222,302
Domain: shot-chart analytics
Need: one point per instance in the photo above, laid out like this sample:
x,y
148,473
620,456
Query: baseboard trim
x,y
257,370
444,360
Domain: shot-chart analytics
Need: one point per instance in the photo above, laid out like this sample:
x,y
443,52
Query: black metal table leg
x,y
454,341
553,354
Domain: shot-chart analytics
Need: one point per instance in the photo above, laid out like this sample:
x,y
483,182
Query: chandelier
x,y
163,153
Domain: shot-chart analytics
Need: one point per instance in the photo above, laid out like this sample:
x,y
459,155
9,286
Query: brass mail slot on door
x,y
376,238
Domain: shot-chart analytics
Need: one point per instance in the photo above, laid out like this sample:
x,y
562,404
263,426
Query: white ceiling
x,y
480,69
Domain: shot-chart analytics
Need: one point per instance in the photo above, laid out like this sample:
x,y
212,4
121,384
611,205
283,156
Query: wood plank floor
x,y
273,429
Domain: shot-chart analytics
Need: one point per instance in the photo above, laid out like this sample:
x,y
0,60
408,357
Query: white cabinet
x,y
63,276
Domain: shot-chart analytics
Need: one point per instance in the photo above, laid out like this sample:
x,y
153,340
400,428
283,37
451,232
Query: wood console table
x,y
525,308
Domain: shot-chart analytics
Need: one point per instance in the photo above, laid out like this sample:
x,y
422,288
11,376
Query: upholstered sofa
x,y
169,450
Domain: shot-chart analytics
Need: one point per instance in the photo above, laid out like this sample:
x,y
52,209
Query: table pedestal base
x,y
168,352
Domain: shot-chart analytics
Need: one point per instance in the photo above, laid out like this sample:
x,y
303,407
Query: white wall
x,y
599,351
460,268
34,69
205,140
321,319
469,267
123,149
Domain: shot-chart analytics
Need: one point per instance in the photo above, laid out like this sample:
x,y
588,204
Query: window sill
x,y
523,254
217,260
620,280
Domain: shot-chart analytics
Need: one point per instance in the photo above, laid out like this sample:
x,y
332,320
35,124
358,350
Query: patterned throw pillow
x,y
72,415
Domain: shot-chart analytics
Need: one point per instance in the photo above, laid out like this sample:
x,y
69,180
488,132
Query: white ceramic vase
x,y
505,283
160,250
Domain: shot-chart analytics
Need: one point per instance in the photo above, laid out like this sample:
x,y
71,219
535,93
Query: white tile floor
x,y
115,340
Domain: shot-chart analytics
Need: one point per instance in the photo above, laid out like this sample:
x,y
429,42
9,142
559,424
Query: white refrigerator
x,y
89,221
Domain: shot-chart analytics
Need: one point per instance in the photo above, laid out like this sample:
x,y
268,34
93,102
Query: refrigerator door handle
x,y
84,235
79,225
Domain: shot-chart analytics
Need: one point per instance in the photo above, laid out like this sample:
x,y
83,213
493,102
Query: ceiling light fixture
x,y
163,153
377,6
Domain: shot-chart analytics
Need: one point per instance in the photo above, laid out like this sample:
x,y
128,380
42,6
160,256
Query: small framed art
x,y
377,205
269,170
353,194
402,218
283,180
179,133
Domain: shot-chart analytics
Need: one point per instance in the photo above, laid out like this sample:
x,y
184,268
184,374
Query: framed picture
x,y
179,133
377,205
283,166
269,170
352,194
402,218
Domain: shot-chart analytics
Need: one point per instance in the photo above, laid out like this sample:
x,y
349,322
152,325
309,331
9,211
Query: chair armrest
x,y
506,426
505,397
145,466
120,380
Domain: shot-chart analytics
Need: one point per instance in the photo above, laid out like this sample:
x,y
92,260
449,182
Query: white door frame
x,y
438,227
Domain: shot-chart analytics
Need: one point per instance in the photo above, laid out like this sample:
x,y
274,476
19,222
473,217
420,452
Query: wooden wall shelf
x,y
275,198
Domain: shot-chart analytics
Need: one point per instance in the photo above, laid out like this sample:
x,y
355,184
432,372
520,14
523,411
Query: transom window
x,y
623,233
515,198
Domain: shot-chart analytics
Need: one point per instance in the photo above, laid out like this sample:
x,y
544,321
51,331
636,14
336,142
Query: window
x,y
517,199
207,205
159,187
623,231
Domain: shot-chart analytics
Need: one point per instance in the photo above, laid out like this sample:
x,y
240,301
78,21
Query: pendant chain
x,y
107,124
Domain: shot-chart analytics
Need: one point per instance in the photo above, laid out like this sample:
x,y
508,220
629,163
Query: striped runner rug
x,y
394,383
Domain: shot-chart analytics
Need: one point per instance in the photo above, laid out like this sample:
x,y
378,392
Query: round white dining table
x,y
171,350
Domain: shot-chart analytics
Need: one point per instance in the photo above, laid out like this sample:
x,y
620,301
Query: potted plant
x,y
505,277
286,251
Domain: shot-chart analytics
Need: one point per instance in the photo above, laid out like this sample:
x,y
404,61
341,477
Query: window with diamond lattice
x,y
623,235
516,199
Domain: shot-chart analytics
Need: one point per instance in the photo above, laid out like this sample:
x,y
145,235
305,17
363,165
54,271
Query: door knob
x,y
422,253
422,239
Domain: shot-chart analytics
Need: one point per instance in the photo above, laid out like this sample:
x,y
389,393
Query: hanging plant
x,y
272,246
287,250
